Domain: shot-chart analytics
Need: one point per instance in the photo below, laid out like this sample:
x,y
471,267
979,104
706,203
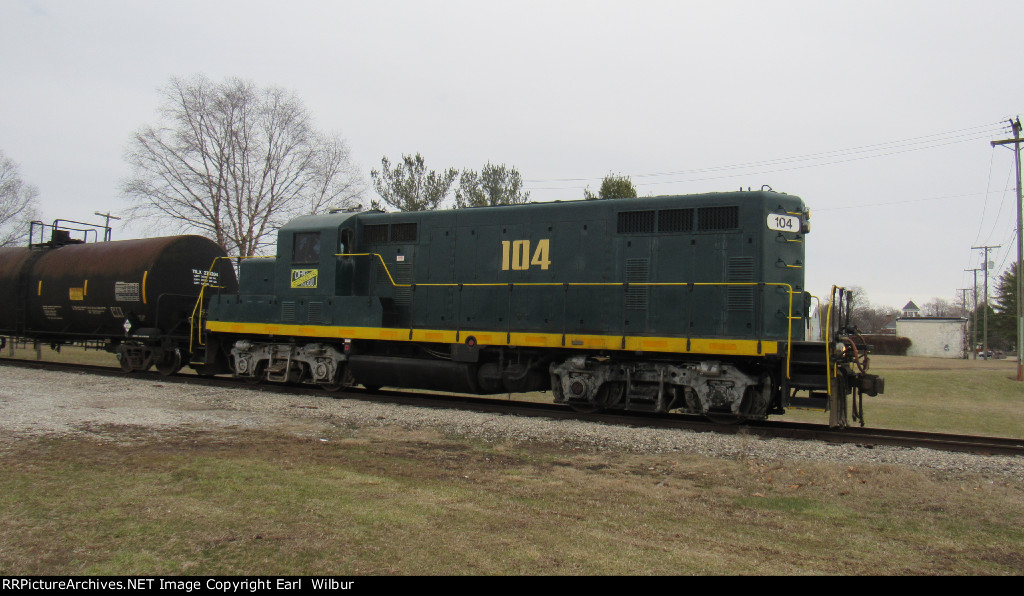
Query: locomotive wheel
x,y
207,371
730,418
608,395
171,363
343,380
725,418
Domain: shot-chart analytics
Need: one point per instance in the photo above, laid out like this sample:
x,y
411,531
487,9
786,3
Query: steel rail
x,y
863,437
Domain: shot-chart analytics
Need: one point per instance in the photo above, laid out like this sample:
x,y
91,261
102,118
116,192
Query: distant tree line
x,y
408,185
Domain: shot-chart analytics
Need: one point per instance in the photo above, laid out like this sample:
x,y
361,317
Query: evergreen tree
x,y
408,186
613,187
493,185
1002,323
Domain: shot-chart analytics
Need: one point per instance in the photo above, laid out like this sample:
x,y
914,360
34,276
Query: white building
x,y
940,337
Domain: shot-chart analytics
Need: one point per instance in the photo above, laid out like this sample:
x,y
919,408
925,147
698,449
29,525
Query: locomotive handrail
x,y
829,338
197,311
195,334
789,290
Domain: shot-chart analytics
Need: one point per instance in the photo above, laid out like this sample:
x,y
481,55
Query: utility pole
x,y
974,317
1015,141
984,316
106,226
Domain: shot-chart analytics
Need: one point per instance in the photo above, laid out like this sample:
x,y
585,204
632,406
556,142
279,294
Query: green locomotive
x,y
677,303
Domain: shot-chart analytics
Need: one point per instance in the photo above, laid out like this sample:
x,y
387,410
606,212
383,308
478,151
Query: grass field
x,y
976,397
387,501
396,501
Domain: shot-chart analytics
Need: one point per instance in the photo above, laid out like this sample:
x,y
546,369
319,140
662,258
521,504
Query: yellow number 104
x,y
515,255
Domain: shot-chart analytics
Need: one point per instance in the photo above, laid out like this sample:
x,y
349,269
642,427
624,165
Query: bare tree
x,y
940,307
235,162
18,204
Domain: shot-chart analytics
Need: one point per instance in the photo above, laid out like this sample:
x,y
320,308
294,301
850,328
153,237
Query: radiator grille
x,y
634,222
675,220
376,234
718,218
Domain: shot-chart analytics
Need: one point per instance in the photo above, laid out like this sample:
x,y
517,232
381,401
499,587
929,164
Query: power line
x,y
961,196
988,186
887,148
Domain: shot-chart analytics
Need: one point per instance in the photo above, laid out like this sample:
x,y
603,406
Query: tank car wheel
x,y
171,363
126,360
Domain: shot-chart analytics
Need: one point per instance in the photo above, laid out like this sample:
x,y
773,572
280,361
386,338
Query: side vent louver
x,y
316,313
637,270
403,275
740,270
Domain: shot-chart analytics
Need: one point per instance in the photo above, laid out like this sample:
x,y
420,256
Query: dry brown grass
x,y
887,363
389,501
395,501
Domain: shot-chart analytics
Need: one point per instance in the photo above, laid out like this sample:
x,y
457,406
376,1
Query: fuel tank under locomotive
x,y
107,290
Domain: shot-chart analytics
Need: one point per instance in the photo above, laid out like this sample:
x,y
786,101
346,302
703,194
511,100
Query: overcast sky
x,y
878,114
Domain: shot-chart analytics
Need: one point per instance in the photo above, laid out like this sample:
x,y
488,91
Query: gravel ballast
x,y
37,403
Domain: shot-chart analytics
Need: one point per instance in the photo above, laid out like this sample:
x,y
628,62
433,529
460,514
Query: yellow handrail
x,y
195,332
790,292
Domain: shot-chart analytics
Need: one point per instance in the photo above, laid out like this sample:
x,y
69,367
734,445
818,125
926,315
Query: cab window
x,y
306,248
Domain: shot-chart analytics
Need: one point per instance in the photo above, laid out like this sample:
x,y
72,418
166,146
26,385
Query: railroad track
x,y
863,437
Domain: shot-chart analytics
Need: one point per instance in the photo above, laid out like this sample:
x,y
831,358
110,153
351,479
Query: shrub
x,y
890,345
